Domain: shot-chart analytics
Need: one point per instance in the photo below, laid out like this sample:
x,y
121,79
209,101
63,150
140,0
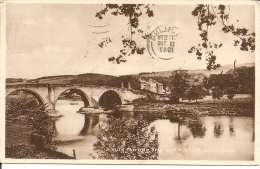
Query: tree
x,y
132,12
179,84
126,139
209,15
231,93
216,93
206,83
223,81
27,109
196,92
245,80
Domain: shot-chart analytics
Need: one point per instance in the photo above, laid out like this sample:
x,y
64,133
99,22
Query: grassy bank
x,y
19,144
26,118
241,105
27,151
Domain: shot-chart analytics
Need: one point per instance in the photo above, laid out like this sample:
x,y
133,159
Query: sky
x,y
62,39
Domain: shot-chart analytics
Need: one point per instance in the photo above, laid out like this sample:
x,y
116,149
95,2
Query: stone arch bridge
x,y
48,94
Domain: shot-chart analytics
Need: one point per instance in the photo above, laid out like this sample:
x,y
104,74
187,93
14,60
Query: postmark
x,y
161,42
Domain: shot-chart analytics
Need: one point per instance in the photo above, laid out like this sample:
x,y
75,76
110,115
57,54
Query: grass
x,y
242,101
27,151
242,105
224,100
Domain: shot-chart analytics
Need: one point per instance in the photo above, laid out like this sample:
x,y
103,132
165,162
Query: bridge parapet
x,y
49,93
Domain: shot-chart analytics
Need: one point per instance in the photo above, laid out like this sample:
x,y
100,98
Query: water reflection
x,y
181,136
231,127
53,126
197,129
231,130
123,115
178,134
194,125
218,130
91,125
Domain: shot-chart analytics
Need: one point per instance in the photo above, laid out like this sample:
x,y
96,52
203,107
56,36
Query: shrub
x,y
126,139
27,110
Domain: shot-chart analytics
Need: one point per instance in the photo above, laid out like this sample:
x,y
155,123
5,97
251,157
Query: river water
x,y
206,138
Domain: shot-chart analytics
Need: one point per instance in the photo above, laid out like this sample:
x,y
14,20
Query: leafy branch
x,y
132,12
207,16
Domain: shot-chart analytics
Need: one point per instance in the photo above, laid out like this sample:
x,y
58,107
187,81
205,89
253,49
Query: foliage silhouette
x,y
126,139
223,81
132,12
231,93
27,109
196,92
179,84
217,93
209,15
244,80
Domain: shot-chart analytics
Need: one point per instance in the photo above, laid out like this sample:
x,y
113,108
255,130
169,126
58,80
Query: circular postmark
x,y
161,42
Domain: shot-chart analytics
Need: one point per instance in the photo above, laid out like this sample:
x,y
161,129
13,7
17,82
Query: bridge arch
x,y
82,94
110,98
35,94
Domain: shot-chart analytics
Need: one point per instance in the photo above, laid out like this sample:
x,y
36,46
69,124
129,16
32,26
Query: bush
x,y
26,109
126,139
21,102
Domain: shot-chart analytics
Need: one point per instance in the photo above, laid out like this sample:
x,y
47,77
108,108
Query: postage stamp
x,y
92,82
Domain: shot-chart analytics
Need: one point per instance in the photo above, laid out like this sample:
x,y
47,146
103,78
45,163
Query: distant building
x,y
152,85
160,89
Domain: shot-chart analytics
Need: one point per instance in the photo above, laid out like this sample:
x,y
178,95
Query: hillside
x,y
116,81
163,77
224,68
87,79
90,78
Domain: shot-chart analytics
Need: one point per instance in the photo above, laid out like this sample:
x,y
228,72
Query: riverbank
x,y
28,151
242,105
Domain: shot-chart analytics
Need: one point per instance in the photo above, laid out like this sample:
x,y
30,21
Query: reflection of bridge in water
x,y
92,96
93,122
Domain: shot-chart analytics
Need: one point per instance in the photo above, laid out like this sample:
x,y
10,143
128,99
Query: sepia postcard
x,y
129,82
